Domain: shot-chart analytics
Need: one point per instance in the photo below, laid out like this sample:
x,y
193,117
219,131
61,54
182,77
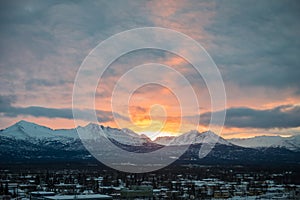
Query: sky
x,y
255,45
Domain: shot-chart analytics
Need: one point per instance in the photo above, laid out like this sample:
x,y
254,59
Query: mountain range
x,y
28,142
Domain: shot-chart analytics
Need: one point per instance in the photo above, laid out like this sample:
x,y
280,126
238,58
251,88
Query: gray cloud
x,y
285,116
8,110
5,102
42,43
37,83
256,43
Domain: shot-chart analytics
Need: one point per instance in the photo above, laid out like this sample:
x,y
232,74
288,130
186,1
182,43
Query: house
x,y
79,197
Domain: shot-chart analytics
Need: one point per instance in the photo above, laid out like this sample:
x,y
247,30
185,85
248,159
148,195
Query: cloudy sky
x,y
255,45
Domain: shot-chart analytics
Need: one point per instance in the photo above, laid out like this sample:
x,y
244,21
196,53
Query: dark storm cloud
x,y
285,116
8,110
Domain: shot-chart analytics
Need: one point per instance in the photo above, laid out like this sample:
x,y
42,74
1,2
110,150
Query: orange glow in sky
x,y
259,65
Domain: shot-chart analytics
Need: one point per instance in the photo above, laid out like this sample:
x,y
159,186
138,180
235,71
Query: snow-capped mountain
x,y
24,130
292,143
123,136
192,137
27,130
26,142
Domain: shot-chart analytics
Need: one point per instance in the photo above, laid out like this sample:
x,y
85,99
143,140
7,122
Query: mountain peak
x,y
24,130
292,143
29,125
29,130
192,137
92,125
23,122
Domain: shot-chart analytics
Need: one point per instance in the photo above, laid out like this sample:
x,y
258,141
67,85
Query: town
x,y
180,182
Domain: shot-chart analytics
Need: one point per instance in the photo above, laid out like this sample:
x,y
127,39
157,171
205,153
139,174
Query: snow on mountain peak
x,y
26,123
28,130
123,136
292,143
24,130
192,137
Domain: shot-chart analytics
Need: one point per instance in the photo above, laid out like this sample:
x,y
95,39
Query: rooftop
x,y
88,196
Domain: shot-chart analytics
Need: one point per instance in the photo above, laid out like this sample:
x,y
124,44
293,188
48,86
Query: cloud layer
x,y
8,110
285,116
255,44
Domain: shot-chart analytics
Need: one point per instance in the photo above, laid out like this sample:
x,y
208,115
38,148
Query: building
x,y
137,192
37,195
80,197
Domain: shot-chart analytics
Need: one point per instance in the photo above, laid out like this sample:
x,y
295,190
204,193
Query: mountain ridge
x,y
55,146
30,130
24,129
292,143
